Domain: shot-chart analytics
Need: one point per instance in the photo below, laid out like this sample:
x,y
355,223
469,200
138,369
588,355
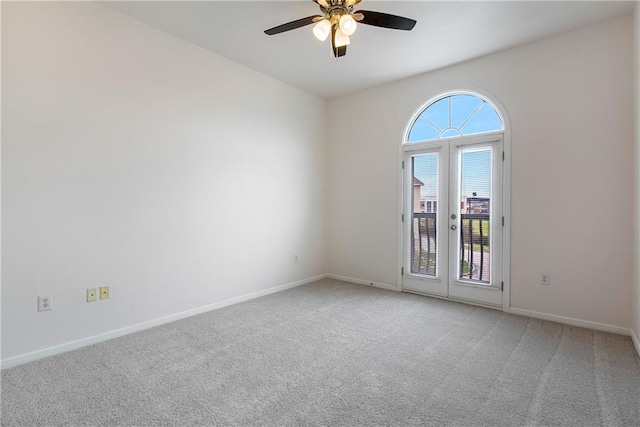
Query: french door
x,y
453,220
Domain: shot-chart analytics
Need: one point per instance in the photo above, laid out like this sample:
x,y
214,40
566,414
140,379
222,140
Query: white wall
x,y
569,102
134,159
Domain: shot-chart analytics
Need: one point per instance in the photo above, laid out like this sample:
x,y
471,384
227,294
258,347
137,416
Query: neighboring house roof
x,y
416,181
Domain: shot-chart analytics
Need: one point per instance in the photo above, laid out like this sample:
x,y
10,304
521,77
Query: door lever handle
x,y
454,227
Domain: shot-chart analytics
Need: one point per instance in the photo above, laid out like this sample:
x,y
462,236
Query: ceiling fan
x,y
340,21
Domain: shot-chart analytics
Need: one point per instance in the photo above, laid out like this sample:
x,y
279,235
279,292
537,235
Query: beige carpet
x,y
333,353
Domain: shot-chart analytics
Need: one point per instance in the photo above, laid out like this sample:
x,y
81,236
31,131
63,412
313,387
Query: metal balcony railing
x,y
474,246
424,243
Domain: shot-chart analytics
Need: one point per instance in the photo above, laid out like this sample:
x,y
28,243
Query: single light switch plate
x,y
91,294
104,292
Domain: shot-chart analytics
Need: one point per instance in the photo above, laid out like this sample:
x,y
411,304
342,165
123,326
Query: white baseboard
x,y
63,348
363,282
636,341
570,321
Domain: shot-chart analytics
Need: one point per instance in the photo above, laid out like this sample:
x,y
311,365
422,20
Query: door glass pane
x,y
424,218
474,246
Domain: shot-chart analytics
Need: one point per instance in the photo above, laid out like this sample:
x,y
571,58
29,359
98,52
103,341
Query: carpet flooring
x,y
334,353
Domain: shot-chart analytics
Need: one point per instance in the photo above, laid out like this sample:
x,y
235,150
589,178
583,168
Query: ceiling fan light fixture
x,y
341,39
347,24
322,29
339,20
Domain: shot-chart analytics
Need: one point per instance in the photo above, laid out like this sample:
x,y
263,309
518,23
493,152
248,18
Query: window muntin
x,y
454,115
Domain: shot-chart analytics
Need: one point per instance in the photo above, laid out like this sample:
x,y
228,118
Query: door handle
x,y
454,227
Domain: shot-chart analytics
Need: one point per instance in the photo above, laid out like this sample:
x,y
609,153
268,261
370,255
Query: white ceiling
x,y
447,32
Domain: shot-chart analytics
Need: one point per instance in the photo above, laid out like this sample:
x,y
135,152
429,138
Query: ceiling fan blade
x,y
337,51
340,51
292,25
386,20
349,3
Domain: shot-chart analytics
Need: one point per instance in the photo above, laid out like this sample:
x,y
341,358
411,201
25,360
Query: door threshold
x,y
460,300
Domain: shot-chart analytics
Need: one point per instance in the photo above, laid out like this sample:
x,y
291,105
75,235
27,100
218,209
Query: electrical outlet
x,y
544,279
91,294
104,292
295,258
44,303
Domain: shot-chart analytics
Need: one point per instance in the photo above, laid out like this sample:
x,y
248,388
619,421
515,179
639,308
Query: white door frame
x,y
460,289
435,285
506,188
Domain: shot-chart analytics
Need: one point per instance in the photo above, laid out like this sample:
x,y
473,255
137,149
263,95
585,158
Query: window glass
x,y
455,115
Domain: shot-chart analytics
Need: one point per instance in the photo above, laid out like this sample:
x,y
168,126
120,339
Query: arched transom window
x,y
454,115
